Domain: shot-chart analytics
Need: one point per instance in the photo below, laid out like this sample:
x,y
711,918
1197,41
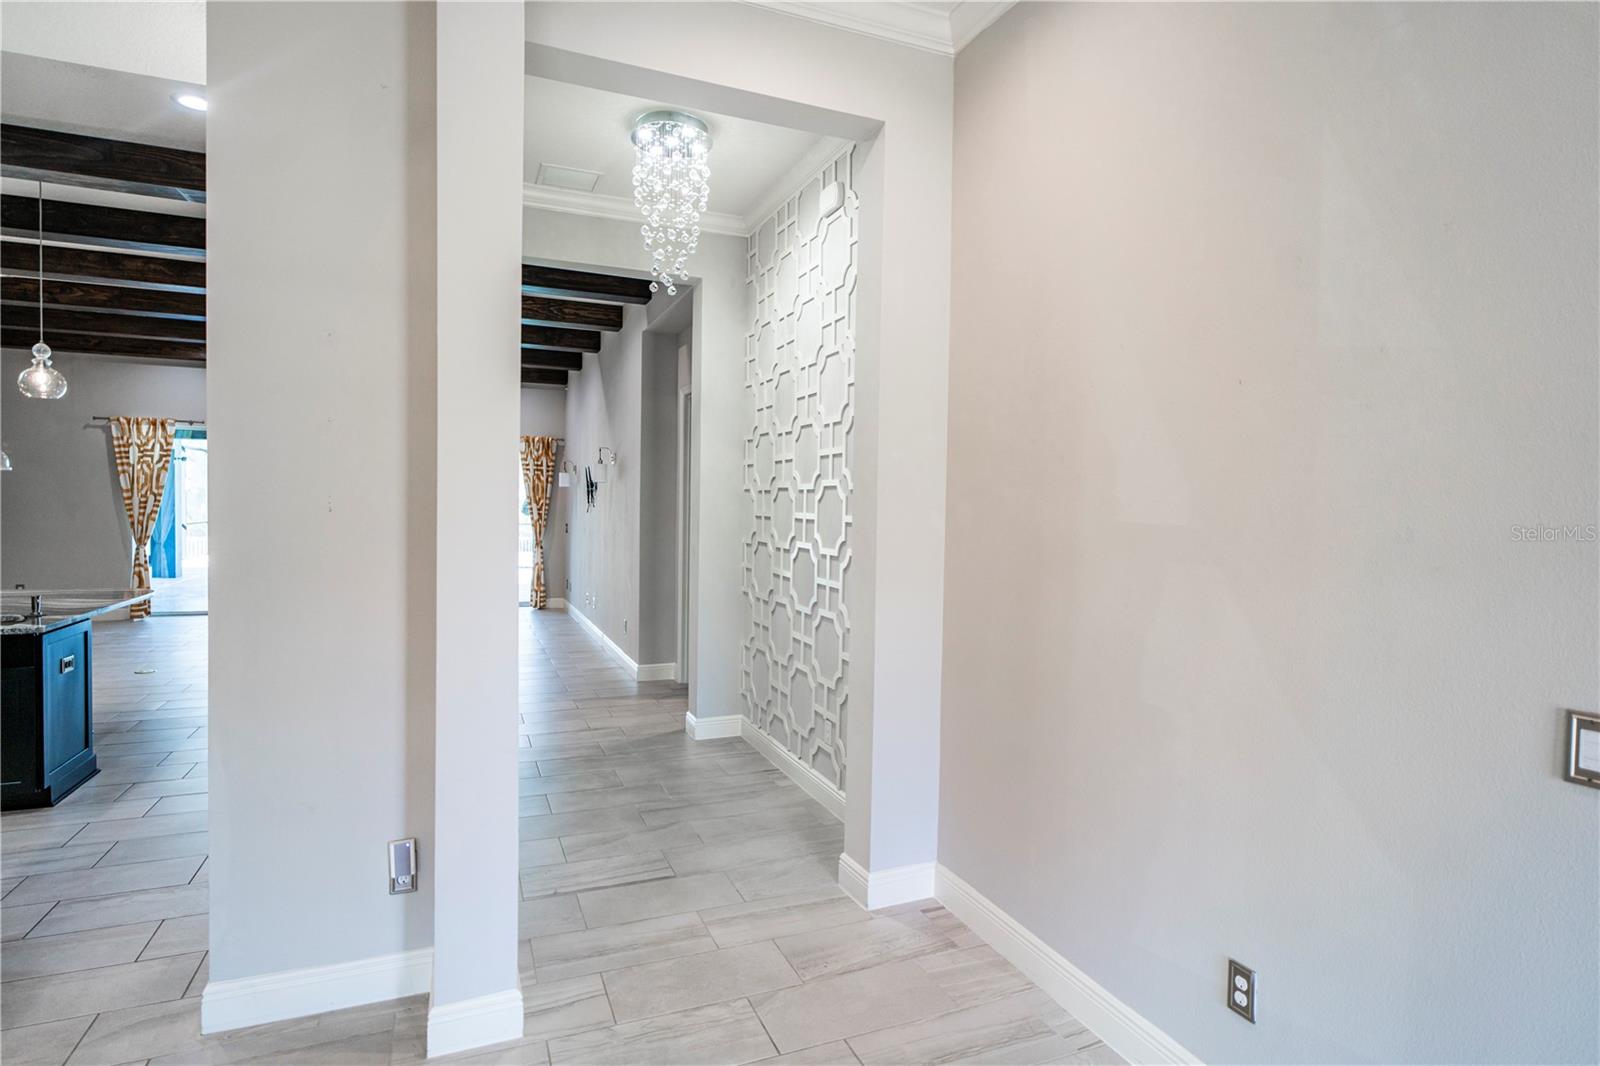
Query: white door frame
x,y
685,437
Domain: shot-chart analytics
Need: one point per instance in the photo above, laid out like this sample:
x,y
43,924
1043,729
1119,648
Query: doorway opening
x,y
180,547
685,512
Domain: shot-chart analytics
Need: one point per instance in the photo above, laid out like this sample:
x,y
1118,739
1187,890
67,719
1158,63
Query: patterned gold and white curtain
x,y
143,451
538,476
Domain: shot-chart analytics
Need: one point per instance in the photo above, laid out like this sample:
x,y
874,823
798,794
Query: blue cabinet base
x,y
46,716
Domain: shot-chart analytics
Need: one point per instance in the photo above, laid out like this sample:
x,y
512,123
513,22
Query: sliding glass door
x,y
179,548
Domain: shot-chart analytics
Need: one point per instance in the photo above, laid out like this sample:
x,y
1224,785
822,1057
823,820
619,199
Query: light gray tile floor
x,y
680,902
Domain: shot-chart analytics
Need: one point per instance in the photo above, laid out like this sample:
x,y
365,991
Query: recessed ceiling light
x,y
193,101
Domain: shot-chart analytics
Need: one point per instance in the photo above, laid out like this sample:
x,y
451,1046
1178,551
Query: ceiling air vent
x,y
567,178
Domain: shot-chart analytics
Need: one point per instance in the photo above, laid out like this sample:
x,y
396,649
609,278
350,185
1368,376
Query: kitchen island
x,y
46,690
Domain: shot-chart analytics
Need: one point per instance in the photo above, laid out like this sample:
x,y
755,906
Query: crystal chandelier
x,y
671,181
41,381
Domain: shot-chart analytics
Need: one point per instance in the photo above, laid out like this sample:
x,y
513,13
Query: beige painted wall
x,y
1270,323
322,437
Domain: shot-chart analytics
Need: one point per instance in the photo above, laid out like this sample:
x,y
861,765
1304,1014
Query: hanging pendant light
x,y
41,381
671,183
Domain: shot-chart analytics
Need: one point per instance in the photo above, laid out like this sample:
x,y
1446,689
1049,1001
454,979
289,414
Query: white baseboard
x,y
656,672
475,1023
610,645
1124,1030
877,889
726,725
273,997
644,672
555,603
814,784
853,879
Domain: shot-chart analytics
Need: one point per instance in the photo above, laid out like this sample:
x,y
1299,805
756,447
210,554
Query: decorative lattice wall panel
x,y
800,374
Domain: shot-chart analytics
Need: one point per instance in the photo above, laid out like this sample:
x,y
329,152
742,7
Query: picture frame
x,y
1583,749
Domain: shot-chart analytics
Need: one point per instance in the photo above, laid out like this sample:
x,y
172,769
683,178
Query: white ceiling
x,y
566,125
111,68
109,103
160,38
574,126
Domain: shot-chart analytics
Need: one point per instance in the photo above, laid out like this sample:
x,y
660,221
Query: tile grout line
x,y
81,1038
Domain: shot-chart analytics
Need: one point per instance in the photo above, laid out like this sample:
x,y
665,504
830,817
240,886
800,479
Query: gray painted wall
x,y
658,501
62,523
623,554
718,340
1270,323
544,414
603,404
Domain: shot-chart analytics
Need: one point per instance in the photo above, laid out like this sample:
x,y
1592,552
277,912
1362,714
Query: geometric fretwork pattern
x,y
800,375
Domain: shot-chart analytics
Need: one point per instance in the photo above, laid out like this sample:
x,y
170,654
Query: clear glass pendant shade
x,y
41,381
671,184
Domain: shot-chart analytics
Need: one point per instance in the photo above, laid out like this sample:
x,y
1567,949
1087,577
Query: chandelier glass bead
x,y
671,185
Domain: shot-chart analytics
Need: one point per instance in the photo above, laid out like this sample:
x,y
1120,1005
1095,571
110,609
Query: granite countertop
x,y
62,607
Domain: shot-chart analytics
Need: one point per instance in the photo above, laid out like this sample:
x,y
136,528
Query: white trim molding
x,y
939,28
274,997
877,889
599,205
972,17
804,170
474,1023
639,672
853,879
610,645
812,783
724,725
1124,1029
620,209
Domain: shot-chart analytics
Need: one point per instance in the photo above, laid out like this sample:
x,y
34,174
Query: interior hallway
x,y
680,901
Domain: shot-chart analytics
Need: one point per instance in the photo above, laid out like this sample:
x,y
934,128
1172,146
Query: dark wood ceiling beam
x,y
579,340
122,268
102,344
554,358
552,281
123,166
544,311
119,298
544,377
115,227
56,320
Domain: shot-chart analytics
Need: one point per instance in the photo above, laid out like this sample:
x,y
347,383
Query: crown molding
x,y
910,24
598,205
821,154
938,28
971,18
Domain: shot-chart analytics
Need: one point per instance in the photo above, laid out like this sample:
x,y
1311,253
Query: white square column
x,y
476,997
